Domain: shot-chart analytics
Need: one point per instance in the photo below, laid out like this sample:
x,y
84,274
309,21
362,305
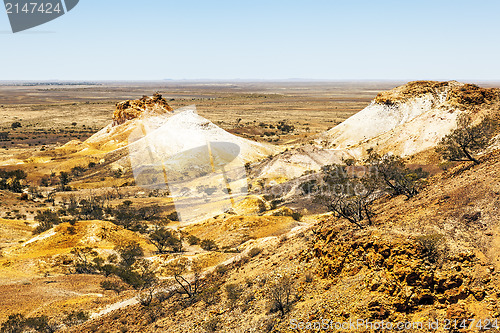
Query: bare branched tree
x,y
279,291
347,194
179,269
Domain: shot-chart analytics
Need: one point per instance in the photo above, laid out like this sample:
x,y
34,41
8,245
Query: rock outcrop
x,y
131,109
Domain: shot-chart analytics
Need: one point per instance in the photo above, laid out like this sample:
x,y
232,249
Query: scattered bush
x,y
210,295
309,186
208,245
221,269
76,318
12,180
44,182
113,286
296,216
432,245
154,311
254,252
18,323
284,127
77,171
71,230
173,216
193,240
117,173
46,219
211,325
233,293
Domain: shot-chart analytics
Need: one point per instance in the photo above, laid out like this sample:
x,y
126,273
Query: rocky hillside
x,y
433,257
272,260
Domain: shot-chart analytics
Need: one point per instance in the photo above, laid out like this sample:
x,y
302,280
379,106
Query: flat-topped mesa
x,y
132,109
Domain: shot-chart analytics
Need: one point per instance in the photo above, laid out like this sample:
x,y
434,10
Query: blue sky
x,y
273,39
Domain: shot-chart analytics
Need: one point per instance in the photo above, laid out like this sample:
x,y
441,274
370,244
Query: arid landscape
x,y
359,201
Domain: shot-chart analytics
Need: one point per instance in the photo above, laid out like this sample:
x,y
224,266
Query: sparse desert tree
x,y
129,217
463,143
164,239
347,195
91,208
279,291
129,252
179,269
64,180
353,208
391,174
149,213
46,220
144,269
84,257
